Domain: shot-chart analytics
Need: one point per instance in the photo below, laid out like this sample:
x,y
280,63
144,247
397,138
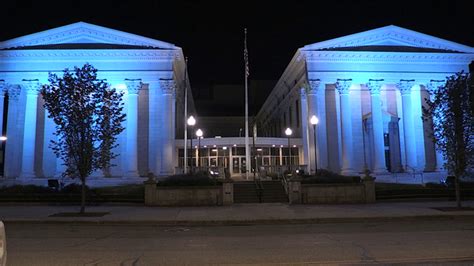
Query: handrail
x,y
258,188
285,183
414,172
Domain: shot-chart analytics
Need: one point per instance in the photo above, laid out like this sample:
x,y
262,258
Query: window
x,y
297,114
290,114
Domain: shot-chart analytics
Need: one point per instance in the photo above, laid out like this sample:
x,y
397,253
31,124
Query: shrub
x,y
26,189
74,188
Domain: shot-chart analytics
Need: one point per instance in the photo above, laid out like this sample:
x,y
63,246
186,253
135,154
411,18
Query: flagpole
x,y
247,148
185,116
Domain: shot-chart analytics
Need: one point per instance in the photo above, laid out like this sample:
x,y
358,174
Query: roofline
x,y
15,41
331,43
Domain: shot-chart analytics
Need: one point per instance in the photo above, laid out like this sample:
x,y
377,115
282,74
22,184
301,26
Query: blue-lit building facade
x,y
368,90
149,72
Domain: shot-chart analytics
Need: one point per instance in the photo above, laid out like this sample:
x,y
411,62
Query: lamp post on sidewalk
x,y
288,133
314,121
199,136
191,122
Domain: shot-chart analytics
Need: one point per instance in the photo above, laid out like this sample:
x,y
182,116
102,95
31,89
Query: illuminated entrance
x,y
223,154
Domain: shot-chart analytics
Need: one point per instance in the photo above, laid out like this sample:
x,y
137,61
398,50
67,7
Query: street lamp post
x,y
199,136
225,166
314,121
191,122
288,133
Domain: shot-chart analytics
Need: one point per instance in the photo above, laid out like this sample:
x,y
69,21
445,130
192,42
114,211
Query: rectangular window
x,y
297,114
290,114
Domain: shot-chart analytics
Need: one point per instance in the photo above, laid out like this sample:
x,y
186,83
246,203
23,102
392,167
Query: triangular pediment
x,y
390,36
83,33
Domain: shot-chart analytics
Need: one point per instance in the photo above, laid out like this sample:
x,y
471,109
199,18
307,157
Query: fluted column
x,y
12,152
32,88
379,166
431,88
304,128
166,138
133,87
2,100
317,107
343,86
408,127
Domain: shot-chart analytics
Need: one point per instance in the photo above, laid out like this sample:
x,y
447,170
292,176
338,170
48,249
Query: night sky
x,y
211,35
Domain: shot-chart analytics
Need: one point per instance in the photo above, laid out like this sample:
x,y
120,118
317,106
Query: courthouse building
x,y
149,72
366,89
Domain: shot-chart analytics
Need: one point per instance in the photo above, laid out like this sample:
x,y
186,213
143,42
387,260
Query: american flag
x,y
246,55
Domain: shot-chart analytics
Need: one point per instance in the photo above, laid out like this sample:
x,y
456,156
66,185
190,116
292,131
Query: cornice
x,y
392,57
106,54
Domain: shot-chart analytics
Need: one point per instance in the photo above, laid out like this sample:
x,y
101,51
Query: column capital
x,y
32,86
168,86
343,85
405,86
133,85
14,92
3,87
374,86
314,85
434,85
303,93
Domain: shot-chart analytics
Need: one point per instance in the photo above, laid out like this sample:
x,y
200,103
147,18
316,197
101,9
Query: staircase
x,y
246,192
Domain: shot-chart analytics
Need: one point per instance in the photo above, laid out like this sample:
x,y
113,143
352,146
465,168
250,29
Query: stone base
x,y
349,172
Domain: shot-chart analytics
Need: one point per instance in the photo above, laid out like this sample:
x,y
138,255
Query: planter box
x,y
188,196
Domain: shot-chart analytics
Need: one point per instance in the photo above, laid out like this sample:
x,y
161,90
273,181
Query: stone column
x,y
153,128
305,130
32,88
379,166
317,107
12,152
431,88
408,127
133,87
2,100
343,86
166,138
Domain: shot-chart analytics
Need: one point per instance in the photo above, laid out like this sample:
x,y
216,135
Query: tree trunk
x,y
458,191
83,195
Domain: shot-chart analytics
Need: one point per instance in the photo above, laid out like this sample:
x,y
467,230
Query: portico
x,y
149,73
368,90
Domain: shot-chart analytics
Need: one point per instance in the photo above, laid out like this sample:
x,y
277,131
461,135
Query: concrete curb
x,y
244,222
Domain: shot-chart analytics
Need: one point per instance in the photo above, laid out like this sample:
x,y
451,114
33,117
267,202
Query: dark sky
x,y
211,34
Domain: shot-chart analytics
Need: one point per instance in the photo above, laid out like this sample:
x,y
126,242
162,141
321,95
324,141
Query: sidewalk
x,y
269,213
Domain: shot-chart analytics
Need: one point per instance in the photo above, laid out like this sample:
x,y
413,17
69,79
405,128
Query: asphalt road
x,y
445,242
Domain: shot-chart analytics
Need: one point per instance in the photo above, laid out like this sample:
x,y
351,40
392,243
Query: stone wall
x,y
332,193
188,196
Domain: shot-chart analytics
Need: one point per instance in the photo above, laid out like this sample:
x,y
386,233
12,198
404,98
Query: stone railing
x,y
363,192
189,195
